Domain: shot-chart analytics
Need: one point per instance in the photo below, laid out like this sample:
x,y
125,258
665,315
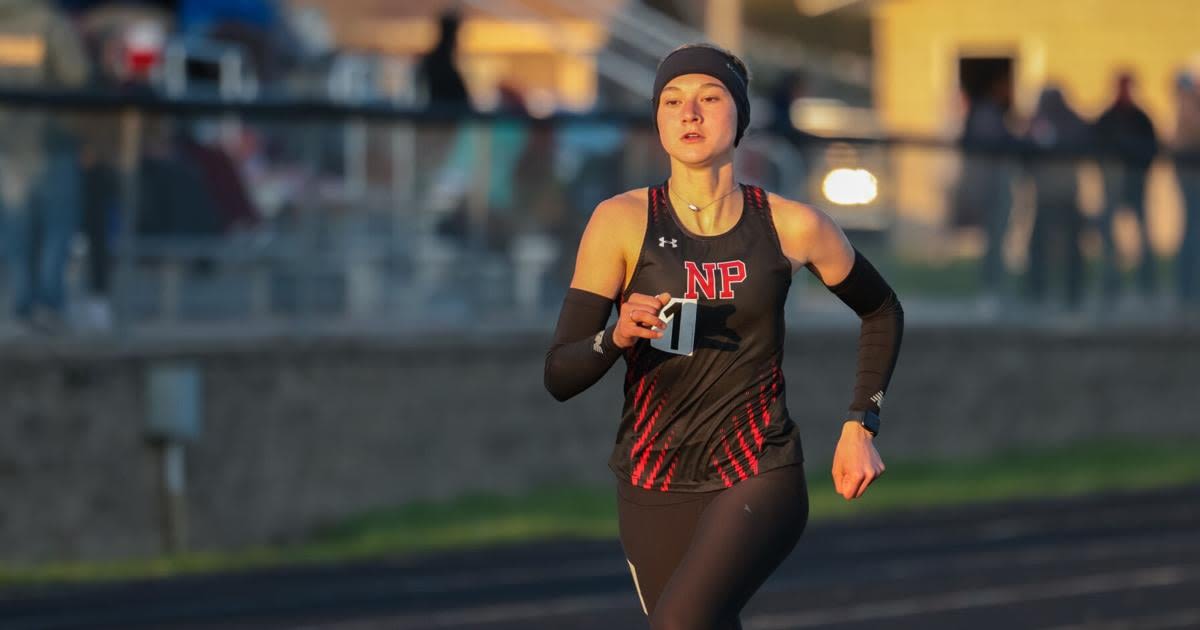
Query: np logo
x,y
702,279
662,242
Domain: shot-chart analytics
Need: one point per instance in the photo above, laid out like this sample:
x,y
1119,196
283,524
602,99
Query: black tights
x,y
697,558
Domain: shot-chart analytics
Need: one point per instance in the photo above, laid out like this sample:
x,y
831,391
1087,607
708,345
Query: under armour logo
x,y
662,242
596,347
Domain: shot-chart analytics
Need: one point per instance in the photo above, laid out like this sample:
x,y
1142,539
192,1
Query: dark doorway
x,y
979,76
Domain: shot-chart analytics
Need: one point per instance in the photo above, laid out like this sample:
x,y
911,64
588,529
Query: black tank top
x,y
706,420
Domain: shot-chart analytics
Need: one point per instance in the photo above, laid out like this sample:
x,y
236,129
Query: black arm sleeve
x,y
865,291
583,349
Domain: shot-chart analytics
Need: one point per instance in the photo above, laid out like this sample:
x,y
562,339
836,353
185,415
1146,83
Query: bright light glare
x,y
850,186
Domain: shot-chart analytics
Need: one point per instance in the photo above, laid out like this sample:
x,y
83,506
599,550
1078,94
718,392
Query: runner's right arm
x,y
583,348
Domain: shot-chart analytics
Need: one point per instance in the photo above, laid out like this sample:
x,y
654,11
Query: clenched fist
x,y
637,317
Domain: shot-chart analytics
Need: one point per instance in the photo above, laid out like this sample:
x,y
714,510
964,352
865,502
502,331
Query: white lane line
x,y
975,598
1189,618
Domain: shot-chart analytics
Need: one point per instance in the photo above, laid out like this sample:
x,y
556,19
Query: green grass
x,y
961,277
478,519
955,279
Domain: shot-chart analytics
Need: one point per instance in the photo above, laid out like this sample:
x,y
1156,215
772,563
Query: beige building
x,y
1078,44
922,46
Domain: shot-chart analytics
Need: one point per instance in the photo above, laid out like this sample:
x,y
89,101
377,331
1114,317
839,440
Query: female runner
x,y
711,488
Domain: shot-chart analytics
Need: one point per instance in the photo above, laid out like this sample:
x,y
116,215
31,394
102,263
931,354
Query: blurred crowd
x,y
483,186
60,172
61,175
1047,151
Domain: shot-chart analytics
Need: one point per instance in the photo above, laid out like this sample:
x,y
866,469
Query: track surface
x,y
1128,560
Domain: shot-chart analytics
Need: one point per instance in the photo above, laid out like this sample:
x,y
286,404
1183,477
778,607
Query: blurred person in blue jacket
x,y
39,161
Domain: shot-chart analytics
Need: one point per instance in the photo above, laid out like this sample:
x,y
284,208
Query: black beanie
x,y
704,59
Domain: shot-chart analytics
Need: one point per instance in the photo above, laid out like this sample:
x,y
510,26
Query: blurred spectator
x,y
235,210
1187,169
100,216
984,194
126,39
790,87
440,85
39,169
1060,136
254,26
437,71
202,16
174,199
506,140
587,159
1127,140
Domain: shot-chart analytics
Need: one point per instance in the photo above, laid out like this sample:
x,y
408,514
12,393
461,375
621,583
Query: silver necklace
x,y
691,206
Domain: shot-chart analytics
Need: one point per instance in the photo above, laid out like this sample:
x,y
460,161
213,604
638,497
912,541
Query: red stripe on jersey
x,y
776,379
637,446
762,405
758,438
662,454
733,460
666,484
637,473
645,404
720,470
776,390
641,465
750,458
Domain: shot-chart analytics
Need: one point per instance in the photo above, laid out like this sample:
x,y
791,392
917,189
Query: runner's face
x,y
697,118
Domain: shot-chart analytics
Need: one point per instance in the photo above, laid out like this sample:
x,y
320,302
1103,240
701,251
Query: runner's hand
x,y
636,318
856,463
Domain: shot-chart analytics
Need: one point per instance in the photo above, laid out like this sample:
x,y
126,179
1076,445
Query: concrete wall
x,y
297,434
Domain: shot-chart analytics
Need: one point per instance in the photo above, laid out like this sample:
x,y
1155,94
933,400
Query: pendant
x,y
693,207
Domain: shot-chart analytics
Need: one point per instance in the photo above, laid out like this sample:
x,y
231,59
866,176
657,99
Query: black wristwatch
x,y
868,419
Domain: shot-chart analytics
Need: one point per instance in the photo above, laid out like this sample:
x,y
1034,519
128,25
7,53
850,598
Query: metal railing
x,y
464,221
